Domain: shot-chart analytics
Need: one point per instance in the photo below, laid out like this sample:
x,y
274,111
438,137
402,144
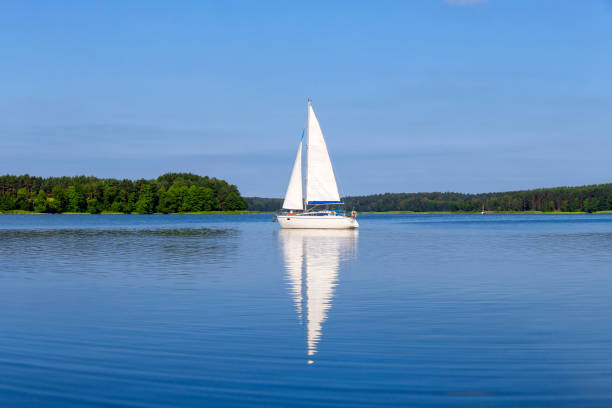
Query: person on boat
x,y
354,214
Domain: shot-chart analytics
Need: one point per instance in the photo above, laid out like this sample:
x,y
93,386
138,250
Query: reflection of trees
x,y
159,252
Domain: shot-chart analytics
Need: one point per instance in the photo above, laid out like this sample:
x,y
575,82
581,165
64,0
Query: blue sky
x,y
432,95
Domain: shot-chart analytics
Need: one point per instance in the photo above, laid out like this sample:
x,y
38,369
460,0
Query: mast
x,y
307,154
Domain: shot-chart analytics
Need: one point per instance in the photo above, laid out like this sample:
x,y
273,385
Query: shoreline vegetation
x,y
246,212
168,194
479,212
187,193
237,212
558,200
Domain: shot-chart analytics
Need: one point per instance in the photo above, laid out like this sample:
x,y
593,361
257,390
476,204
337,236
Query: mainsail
x,y
293,198
321,185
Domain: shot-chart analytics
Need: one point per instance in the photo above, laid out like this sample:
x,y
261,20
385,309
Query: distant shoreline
x,y
246,212
479,213
582,199
239,212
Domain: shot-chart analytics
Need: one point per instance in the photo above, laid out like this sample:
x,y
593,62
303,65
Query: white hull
x,y
317,222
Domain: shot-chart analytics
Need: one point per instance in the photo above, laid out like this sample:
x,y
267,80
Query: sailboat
x,y
321,207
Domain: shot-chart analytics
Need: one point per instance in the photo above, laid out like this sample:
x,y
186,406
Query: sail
x,y
321,185
293,198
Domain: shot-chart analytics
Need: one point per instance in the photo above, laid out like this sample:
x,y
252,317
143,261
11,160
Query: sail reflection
x,y
312,262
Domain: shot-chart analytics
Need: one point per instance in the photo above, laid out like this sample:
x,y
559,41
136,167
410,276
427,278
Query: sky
x,y
431,95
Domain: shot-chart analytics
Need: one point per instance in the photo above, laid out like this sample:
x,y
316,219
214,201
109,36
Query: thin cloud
x,y
465,2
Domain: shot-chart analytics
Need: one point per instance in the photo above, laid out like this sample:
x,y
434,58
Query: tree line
x,y
589,198
169,193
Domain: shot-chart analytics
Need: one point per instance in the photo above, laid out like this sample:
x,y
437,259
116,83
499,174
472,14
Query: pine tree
x,y
23,203
76,199
40,204
234,202
146,200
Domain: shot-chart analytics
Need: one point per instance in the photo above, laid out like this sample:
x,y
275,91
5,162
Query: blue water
x,y
411,310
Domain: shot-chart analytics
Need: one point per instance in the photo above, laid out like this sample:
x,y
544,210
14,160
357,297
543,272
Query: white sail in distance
x,y
321,187
293,197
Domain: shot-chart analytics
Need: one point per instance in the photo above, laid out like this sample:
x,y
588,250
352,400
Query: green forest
x,y
185,192
168,194
591,198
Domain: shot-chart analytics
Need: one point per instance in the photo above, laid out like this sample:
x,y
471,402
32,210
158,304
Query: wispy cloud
x,y
465,2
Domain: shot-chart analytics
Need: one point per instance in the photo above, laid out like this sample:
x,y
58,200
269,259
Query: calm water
x,y
451,310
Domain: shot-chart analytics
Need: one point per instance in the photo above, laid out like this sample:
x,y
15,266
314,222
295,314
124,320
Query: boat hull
x,y
317,222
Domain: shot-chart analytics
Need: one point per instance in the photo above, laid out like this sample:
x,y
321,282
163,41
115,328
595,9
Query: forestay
x,y
321,185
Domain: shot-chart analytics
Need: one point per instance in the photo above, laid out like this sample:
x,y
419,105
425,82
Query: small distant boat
x,y
321,207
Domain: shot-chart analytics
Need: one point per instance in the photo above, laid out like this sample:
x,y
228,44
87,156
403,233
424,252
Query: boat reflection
x,y
312,262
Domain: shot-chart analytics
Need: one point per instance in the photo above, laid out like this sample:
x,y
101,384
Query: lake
x,y
214,310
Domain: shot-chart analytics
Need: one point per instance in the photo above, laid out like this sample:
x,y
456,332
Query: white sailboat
x,y
321,207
